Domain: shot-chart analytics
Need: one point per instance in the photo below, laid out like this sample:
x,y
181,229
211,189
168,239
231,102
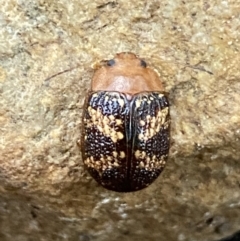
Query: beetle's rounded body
x,y
125,134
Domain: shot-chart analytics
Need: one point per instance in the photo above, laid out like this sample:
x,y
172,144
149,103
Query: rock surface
x,y
48,50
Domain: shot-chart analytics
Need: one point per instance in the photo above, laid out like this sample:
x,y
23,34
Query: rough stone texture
x,y
47,53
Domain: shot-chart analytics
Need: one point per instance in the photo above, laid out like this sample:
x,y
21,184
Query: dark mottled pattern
x,y
109,106
129,176
97,144
158,145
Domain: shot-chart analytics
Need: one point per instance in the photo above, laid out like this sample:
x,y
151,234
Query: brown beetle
x,y
126,123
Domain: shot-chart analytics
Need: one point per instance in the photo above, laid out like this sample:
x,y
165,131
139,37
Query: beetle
x,y
125,125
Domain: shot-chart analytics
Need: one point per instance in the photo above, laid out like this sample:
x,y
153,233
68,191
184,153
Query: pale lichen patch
x,y
107,125
150,163
151,125
105,162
